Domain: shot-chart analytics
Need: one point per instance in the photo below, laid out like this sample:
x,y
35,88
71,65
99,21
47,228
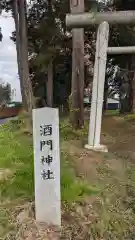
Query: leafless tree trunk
x,y
18,50
133,83
50,85
77,106
24,56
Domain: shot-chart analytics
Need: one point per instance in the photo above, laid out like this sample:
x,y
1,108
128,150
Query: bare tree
x,y
24,57
133,83
19,14
18,50
50,84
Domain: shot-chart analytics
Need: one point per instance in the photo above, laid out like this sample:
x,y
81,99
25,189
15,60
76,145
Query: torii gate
x,y
102,19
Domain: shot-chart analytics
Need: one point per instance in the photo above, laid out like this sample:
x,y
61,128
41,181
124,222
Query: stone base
x,y
100,148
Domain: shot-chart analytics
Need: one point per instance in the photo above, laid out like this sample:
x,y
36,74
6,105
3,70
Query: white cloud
x,y
8,59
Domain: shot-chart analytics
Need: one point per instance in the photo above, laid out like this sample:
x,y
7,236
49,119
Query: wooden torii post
x,y
77,92
102,49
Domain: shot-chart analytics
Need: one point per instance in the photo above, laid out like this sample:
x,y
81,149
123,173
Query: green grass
x,y
113,209
112,112
72,189
16,154
67,132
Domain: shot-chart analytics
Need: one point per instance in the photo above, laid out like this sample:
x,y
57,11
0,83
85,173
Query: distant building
x,y
113,104
10,110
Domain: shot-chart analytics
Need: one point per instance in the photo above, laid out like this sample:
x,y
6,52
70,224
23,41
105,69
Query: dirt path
x,y
106,215
121,134
111,215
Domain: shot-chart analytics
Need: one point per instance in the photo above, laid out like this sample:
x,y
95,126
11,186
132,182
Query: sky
x,y
8,58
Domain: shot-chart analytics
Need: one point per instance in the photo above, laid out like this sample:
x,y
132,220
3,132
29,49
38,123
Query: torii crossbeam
x,y
102,49
87,19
